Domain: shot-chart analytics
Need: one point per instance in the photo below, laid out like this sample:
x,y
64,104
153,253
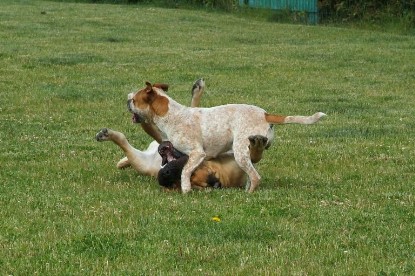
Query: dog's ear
x,y
158,103
149,93
149,89
163,86
148,86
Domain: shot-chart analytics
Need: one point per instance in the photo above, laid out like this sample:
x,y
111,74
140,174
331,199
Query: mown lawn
x,y
336,198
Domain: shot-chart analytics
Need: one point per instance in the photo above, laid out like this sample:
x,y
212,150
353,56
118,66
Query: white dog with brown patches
x,y
207,132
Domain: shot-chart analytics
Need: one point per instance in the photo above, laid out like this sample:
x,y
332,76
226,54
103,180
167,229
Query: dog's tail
x,y
304,120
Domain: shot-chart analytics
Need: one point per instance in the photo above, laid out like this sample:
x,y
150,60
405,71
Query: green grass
x,y
336,198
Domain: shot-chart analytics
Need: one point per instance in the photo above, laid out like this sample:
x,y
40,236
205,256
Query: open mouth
x,y
137,119
167,158
168,153
164,161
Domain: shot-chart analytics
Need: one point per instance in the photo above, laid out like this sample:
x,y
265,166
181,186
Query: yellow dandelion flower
x,y
216,219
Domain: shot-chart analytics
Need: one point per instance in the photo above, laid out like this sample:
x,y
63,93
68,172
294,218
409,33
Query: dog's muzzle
x,y
137,119
129,105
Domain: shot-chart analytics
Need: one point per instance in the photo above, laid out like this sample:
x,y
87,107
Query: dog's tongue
x,y
170,157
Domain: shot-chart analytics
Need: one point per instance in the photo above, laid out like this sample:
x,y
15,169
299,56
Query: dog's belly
x,y
213,148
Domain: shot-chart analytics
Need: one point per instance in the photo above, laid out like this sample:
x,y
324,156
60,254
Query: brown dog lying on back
x,y
218,172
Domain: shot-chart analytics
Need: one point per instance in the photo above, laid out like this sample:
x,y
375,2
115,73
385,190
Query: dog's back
x,y
222,126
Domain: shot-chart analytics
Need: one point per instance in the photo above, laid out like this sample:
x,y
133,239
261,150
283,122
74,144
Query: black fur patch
x,y
213,181
169,176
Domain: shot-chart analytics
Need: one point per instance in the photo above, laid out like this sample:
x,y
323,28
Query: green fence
x,y
307,6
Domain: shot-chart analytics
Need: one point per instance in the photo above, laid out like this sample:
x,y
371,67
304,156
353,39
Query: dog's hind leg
x,y
254,178
242,157
195,159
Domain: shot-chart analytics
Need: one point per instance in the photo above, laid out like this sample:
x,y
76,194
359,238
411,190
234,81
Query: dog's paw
x,y
102,135
123,163
186,188
198,86
319,115
257,142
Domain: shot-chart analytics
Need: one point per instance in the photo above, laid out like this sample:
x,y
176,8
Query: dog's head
x,y
149,101
170,174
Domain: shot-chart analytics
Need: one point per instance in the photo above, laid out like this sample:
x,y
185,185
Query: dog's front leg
x,y
195,158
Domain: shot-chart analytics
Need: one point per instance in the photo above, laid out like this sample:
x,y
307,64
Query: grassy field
x,y
336,198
